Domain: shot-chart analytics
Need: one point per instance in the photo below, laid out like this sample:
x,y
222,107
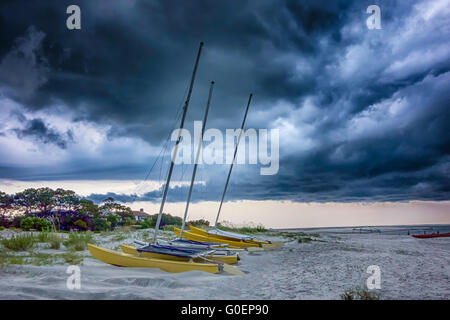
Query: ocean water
x,y
388,230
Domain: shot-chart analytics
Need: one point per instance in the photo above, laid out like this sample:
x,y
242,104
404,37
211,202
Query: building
x,y
140,215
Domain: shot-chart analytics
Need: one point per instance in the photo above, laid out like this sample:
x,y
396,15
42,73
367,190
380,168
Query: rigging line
x,y
162,151
154,163
168,137
172,163
164,146
234,157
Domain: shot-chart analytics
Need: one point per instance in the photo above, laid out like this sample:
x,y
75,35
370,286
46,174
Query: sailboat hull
x,y
231,259
126,260
210,238
264,244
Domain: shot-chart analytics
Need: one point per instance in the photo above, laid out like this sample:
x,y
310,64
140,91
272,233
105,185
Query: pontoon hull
x,y
210,238
264,244
126,260
231,259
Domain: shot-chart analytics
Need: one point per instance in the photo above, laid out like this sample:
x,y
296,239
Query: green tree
x,y
45,199
110,207
89,208
6,202
26,200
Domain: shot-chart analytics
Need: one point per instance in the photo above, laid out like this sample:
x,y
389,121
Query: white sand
x,y
410,269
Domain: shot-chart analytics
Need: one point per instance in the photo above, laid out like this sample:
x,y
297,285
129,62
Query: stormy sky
x,y
363,114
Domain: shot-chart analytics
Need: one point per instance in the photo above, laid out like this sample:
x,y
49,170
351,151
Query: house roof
x,y
141,213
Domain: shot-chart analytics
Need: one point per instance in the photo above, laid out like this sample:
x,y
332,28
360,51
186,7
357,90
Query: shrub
x,y
99,224
42,224
147,223
129,222
166,219
19,243
113,219
5,222
2,228
15,223
37,223
27,223
80,223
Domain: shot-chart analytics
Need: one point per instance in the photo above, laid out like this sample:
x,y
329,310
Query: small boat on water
x,y
431,235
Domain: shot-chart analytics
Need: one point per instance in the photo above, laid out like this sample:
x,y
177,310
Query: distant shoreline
x,y
395,227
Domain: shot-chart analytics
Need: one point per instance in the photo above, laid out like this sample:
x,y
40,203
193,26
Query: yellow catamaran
x,y
172,257
233,239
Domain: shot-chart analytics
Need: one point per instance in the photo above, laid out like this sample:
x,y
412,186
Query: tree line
x,y
60,209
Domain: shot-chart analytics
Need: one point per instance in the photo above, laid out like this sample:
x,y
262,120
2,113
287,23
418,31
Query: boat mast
x,y
197,156
186,104
234,157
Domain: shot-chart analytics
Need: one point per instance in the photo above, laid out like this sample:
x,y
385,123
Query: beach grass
x,y
54,240
300,237
169,227
119,237
21,242
72,258
304,239
359,294
78,241
247,229
39,259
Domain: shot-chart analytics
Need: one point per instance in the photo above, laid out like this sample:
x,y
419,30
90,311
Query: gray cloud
x,y
23,70
36,129
365,112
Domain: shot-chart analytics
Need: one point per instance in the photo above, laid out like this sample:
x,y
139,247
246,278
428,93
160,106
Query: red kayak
x,y
433,235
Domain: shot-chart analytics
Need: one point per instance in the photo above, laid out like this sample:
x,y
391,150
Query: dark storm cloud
x,y
373,105
37,130
129,62
24,69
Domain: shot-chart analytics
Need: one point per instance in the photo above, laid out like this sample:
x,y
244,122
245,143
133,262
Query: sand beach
x,y
335,260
